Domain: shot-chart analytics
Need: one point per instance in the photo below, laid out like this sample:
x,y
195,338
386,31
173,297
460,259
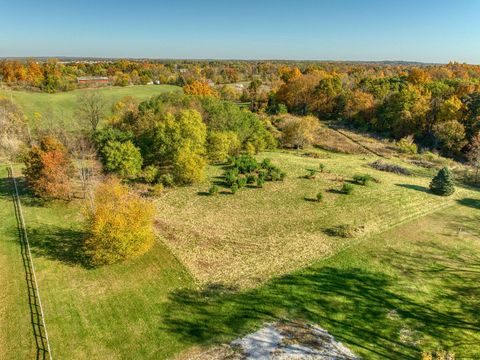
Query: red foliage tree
x,y
49,170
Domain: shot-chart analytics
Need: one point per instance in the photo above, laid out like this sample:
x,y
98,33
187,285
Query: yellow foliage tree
x,y
200,88
119,224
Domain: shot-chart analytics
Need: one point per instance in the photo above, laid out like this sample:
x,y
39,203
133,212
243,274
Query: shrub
x,y
251,179
213,190
241,182
123,159
157,189
245,164
321,167
347,188
260,182
120,224
234,188
150,174
319,196
266,163
166,180
274,175
396,169
443,183
407,145
311,174
363,179
231,176
262,174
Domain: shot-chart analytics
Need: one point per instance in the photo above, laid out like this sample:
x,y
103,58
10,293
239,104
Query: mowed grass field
x,y
247,238
226,264
61,106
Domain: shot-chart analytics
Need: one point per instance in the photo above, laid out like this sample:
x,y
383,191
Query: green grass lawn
x,y
247,238
412,288
409,283
61,106
112,312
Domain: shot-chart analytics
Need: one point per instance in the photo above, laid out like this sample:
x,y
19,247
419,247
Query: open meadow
x,y
223,265
60,107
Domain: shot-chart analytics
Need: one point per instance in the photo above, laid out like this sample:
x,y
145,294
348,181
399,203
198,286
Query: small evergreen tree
x,y
442,183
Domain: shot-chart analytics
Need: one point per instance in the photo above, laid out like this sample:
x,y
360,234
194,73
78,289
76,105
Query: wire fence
x,y
36,310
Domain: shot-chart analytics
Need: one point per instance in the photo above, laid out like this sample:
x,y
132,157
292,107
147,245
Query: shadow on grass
x,y
336,191
27,198
366,310
473,203
60,244
203,193
414,187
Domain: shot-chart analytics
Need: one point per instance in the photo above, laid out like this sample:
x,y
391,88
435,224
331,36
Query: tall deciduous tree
x,y
49,170
91,108
200,88
119,224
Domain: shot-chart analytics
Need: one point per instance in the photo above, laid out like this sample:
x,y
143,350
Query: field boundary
x,y
36,309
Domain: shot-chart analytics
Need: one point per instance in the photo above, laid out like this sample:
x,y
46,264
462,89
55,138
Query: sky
x,y
369,30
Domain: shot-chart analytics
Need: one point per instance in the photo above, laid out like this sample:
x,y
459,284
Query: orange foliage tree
x,y
49,170
200,88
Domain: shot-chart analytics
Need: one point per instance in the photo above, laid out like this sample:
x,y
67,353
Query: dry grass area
x,y
331,140
247,238
374,145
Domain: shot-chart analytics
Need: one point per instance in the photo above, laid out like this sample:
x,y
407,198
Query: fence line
x,y
40,329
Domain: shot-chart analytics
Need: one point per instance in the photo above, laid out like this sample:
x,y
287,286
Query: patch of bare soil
x,y
280,341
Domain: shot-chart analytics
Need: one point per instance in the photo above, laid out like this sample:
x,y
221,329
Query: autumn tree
x,y
404,112
119,224
473,154
221,145
418,76
200,88
298,132
13,128
91,108
49,170
451,134
359,106
327,96
170,140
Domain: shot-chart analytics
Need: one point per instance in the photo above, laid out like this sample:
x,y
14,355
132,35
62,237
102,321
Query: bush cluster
x,y
363,179
396,169
246,170
347,188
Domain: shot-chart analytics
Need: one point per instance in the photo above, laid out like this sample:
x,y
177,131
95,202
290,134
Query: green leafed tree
x,y
123,159
443,183
221,145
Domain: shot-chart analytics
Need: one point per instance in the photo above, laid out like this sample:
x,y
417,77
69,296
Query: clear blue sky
x,y
415,30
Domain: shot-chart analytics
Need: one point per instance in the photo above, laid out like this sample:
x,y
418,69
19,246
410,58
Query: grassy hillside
x,y
410,289
62,105
107,313
255,234
400,287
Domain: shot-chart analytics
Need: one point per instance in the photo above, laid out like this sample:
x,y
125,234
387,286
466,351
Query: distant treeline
x,y
438,106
